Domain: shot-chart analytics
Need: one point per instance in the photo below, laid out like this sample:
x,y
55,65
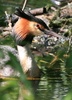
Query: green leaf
x,y
68,96
69,61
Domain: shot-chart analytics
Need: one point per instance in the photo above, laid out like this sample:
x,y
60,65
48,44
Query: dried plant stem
x,y
24,4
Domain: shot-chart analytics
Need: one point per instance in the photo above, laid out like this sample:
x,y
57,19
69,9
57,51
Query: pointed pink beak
x,y
49,32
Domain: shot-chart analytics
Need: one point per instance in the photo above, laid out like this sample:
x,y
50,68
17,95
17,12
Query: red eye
x,y
38,26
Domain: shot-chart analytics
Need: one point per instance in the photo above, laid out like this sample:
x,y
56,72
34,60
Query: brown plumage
x,y
21,28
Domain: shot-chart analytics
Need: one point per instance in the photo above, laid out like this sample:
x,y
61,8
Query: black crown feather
x,y
30,17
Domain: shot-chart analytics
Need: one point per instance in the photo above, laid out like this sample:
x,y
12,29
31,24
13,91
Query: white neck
x,y
27,61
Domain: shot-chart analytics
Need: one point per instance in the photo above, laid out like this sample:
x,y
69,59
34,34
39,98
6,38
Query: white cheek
x,y
37,32
34,30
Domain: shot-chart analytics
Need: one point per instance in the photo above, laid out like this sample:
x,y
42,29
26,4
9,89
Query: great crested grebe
x,y
23,32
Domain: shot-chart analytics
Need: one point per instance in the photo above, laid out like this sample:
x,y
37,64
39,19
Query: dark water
x,y
52,91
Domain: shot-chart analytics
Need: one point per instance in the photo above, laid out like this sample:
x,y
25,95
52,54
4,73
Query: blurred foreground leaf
x,y
68,96
17,87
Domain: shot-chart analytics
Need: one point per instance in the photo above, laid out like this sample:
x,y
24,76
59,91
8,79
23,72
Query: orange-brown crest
x,y
21,28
